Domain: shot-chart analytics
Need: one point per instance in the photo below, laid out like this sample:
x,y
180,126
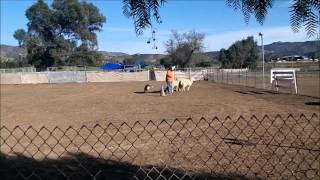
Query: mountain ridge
x,y
275,49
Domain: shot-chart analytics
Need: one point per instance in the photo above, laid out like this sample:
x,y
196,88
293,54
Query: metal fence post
x,y
227,77
218,75
247,77
231,77
222,78
239,76
255,78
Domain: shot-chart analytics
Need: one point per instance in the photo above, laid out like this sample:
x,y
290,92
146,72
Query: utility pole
x,y
319,26
262,47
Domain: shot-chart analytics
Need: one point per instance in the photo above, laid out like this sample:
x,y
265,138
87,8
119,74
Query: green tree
x,y
240,54
62,32
166,62
21,36
314,55
223,58
129,61
83,56
182,47
8,63
204,63
78,20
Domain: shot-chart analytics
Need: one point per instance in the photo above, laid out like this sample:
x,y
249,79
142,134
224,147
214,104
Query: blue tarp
x,y
111,66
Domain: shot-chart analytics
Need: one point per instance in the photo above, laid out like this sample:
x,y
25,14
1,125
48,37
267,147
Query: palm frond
x,y
142,12
246,8
235,4
311,24
302,12
258,8
305,13
261,9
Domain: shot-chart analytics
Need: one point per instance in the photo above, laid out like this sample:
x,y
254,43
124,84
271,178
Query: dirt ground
x,y
89,103
280,148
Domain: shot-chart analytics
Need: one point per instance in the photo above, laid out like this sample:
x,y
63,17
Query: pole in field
x,y
262,47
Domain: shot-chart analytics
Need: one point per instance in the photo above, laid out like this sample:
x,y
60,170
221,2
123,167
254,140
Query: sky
x,y
221,24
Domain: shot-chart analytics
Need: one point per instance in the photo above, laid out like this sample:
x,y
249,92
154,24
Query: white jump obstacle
x,y
288,74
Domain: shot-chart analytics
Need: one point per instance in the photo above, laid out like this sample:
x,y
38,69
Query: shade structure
x,y
111,66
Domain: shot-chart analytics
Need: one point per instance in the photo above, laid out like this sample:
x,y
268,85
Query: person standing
x,y
169,79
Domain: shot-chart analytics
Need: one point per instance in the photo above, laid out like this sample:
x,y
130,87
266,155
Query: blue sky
x,y
221,24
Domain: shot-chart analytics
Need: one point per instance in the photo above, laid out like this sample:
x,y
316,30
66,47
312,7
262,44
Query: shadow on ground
x,y
85,167
152,92
313,103
257,92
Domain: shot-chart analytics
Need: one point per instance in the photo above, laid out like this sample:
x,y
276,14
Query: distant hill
x,y
306,48
276,49
149,58
13,52
7,51
113,54
279,49
212,54
119,57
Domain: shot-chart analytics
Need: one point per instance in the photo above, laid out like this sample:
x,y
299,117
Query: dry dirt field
x,y
280,148
90,103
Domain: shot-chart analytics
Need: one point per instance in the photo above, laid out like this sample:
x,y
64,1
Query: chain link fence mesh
x,y
308,81
267,147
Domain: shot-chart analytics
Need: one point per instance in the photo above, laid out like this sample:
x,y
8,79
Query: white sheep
x,y
175,85
185,84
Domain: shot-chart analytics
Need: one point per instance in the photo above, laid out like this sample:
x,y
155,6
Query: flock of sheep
x,y
177,85
182,84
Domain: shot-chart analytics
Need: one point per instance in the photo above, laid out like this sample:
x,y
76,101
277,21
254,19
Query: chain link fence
x,y
256,147
17,70
308,82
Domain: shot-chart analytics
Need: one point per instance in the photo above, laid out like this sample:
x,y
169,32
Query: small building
x,y
293,58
